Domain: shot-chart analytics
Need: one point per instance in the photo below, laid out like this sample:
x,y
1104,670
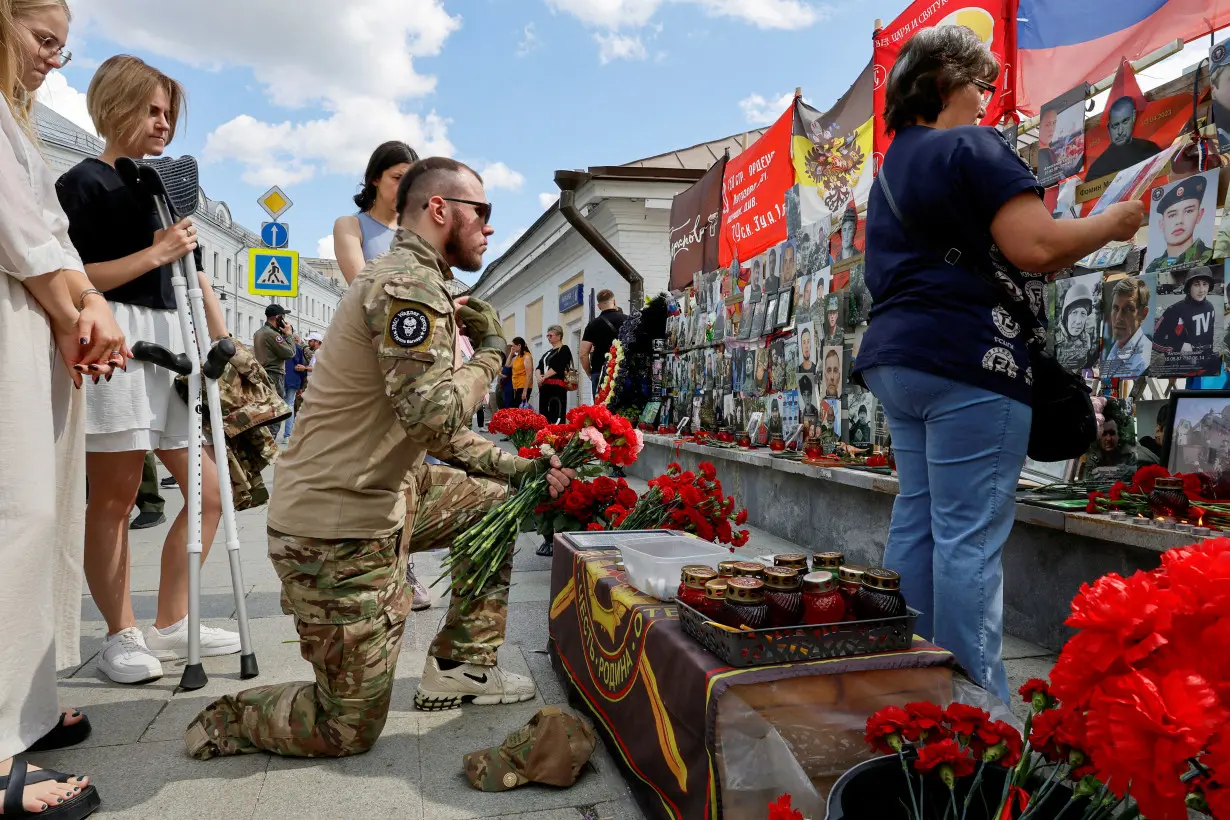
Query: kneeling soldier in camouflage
x,y
352,497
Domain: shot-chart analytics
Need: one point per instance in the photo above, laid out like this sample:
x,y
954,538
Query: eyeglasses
x,y
49,47
988,90
483,209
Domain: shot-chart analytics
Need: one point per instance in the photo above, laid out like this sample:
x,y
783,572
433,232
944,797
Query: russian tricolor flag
x,y
1062,43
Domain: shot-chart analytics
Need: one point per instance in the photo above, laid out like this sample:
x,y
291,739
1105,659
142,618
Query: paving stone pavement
x,y
136,757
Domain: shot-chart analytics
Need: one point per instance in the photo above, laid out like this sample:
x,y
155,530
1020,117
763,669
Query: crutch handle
x,y
160,356
219,355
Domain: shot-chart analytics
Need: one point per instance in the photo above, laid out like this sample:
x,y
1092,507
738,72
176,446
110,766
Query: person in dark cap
x,y
1188,326
1124,150
273,345
1181,210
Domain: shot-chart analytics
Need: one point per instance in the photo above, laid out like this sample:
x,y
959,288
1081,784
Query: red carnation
x,y
780,809
947,759
998,742
708,471
1092,506
1037,693
886,729
740,538
1117,490
626,497
1042,734
926,721
963,720
1142,481
741,518
595,527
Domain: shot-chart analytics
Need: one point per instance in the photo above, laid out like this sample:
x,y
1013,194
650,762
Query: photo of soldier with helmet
x,y
1074,320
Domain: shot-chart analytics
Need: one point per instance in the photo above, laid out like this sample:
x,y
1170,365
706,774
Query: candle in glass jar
x,y
715,599
692,583
726,569
794,560
783,592
850,581
745,605
880,596
749,569
830,561
823,602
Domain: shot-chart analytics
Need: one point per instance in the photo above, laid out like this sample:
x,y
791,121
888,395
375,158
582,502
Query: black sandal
x,y
63,735
14,785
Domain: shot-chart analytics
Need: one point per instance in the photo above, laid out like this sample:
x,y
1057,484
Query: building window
x,y
215,265
228,271
228,317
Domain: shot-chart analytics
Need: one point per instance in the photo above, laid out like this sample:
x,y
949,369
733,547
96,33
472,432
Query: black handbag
x,y
1064,423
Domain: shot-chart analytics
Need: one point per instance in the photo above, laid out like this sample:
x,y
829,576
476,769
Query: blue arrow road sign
x,y
275,234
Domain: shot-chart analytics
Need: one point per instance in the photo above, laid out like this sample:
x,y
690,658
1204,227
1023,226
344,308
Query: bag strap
x,y
1015,303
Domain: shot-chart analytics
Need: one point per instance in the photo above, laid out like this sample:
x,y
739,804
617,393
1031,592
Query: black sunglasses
x,y
483,209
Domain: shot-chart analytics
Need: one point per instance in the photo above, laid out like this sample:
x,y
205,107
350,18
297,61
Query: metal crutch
x,y
173,186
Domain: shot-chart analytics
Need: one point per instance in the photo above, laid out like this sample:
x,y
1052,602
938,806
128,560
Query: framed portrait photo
x,y
1197,435
770,315
785,300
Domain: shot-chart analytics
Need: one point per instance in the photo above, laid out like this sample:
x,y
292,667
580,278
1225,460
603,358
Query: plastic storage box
x,y
653,565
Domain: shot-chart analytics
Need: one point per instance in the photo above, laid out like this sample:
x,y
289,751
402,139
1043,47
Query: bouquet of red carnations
x,y
583,505
1138,705
592,433
683,500
519,424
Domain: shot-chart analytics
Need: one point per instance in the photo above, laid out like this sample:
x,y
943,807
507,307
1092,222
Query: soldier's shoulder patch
x,y
280,339
409,324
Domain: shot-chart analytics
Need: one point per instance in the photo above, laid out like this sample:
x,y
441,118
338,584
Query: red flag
x,y
1125,85
994,21
754,194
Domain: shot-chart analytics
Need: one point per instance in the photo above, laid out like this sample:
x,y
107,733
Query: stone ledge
x,y
1099,527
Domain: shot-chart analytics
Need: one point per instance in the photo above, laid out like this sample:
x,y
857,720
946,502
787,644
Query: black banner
x,y
696,219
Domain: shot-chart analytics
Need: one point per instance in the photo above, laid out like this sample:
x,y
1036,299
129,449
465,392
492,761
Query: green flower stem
x,y
973,789
909,785
952,803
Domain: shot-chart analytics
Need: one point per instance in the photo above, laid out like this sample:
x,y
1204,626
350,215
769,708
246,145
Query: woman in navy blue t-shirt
x,y
942,353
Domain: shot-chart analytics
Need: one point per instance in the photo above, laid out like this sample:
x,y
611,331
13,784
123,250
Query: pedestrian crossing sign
x,y
273,272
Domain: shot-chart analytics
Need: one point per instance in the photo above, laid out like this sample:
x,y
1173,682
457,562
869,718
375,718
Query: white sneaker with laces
x,y
175,645
126,659
469,683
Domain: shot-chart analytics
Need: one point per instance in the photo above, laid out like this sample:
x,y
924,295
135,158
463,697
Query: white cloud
x,y
547,200
774,14
529,41
501,247
66,101
324,248
355,60
499,175
612,46
760,111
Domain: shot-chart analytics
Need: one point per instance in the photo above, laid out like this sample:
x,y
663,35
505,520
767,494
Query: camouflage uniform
x,y
343,570
1197,254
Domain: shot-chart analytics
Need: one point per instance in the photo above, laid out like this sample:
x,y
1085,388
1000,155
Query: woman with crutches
x,y
46,302
135,108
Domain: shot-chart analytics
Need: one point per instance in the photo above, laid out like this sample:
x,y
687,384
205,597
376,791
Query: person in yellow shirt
x,y
518,364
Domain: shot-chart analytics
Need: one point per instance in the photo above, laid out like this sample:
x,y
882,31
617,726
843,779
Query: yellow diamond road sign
x,y
275,202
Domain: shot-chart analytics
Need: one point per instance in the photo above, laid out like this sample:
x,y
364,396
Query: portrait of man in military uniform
x,y
353,496
1074,322
1181,230
860,423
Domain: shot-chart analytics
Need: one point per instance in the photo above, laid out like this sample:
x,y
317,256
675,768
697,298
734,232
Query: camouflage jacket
x,y
251,409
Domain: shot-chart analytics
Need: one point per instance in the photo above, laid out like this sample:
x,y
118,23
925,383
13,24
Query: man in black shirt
x,y
1125,150
599,335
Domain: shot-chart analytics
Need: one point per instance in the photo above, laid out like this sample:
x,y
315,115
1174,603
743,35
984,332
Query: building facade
x,y
224,245
535,284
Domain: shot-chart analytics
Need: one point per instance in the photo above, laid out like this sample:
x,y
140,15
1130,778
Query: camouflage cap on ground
x,y
550,749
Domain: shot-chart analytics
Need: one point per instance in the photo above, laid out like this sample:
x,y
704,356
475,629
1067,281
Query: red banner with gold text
x,y
754,193
992,20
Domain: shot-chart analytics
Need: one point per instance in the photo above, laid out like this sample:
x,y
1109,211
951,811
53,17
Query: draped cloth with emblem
x,y
651,690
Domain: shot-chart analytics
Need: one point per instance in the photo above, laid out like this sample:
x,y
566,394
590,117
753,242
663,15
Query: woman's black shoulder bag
x,y
1064,424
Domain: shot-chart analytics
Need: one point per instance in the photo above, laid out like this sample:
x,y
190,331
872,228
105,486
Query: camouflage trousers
x,y
350,601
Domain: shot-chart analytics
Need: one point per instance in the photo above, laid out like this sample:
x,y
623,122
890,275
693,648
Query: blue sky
x,y
298,93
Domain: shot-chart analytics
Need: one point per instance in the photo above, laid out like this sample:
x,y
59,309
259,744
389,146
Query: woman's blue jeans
x,y
959,452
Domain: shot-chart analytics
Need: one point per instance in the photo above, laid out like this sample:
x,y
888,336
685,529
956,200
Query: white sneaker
x,y
469,683
126,659
175,645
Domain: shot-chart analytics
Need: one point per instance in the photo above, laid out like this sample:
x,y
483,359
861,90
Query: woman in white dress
x,y
135,107
46,302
